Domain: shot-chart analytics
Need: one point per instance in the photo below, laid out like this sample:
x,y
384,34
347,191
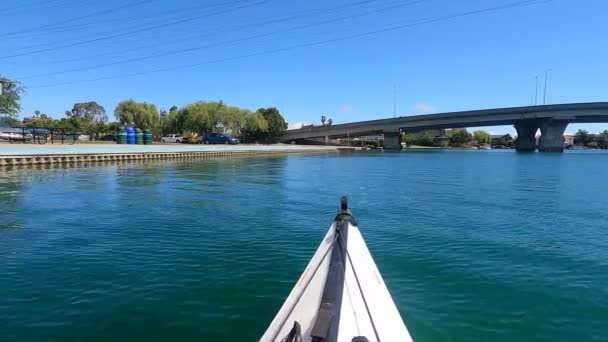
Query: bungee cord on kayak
x,y
317,311
371,319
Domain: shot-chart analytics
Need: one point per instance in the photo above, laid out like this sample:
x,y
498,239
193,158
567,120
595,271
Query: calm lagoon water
x,y
473,245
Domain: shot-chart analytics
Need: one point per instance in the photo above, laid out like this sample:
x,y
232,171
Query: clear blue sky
x,y
482,60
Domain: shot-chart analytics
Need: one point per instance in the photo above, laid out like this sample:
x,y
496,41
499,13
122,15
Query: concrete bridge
x,y
551,119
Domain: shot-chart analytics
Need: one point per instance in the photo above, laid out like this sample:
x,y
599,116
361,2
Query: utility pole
x,y
162,115
394,101
536,92
545,91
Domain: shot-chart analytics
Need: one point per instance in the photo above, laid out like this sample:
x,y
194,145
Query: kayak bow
x,y
341,296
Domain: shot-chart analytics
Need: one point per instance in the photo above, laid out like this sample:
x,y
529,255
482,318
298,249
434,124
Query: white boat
x,y
341,296
15,136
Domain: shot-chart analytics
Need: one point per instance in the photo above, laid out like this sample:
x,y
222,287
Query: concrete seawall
x,y
24,155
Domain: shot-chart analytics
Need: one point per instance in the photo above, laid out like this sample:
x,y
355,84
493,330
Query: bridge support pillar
x,y
552,135
526,131
392,141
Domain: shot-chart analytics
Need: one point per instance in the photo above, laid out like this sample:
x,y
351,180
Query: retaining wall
x,y
14,160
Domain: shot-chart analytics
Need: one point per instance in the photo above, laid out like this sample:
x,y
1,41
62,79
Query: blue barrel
x,y
130,135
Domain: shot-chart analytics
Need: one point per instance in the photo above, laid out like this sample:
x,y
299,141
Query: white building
x,y
296,125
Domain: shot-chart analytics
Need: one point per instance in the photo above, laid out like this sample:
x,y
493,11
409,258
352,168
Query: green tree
x,y
142,115
200,117
255,128
113,127
73,125
39,120
426,140
169,121
101,129
234,118
68,125
459,137
482,137
276,124
9,121
172,124
581,137
408,138
265,125
592,139
90,111
10,97
602,139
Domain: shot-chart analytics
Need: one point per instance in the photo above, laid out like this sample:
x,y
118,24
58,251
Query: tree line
x,y
590,140
456,137
265,125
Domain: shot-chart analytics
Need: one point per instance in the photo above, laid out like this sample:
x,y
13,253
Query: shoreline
x,y
27,154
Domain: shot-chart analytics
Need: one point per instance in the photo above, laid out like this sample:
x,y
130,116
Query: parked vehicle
x,y
219,138
172,138
109,137
192,138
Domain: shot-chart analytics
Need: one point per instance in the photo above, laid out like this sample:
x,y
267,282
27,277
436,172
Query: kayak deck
x,y
332,307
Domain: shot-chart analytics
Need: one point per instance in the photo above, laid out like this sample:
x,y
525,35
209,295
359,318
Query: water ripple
x,y
474,246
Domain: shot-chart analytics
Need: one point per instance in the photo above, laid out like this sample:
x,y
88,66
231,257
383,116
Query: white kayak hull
x,y
366,307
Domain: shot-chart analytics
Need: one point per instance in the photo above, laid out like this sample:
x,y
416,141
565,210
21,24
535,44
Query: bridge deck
x,y
571,112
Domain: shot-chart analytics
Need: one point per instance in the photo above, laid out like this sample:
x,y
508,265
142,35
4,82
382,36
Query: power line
x,y
137,19
175,52
226,29
27,6
53,28
304,45
76,18
144,29
176,40
86,38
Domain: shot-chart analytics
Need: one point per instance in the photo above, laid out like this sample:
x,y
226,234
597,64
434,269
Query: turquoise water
x,y
473,245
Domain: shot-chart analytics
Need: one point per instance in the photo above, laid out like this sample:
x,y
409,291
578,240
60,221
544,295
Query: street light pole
x,y
394,101
536,92
545,91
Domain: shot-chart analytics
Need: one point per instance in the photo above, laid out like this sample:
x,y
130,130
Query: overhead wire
x,y
87,37
197,48
77,18
126,33
304,45
300,15
28,6
53,28
138,21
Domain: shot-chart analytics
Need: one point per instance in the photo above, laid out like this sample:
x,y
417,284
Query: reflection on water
x,y
10,190
474,245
